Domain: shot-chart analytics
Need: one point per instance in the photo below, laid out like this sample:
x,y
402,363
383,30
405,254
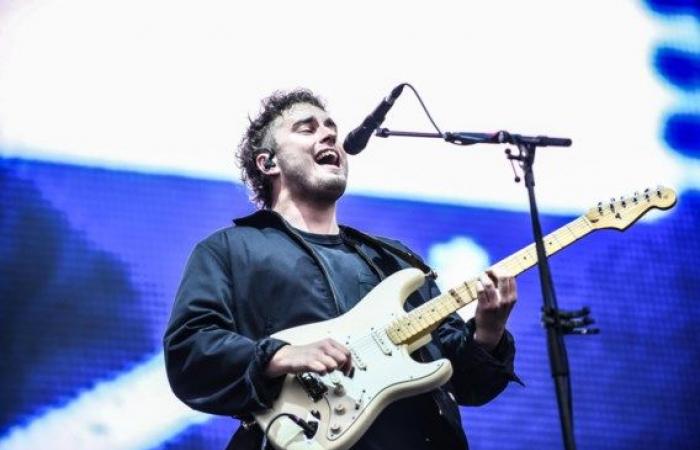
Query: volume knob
x,y
339,390
335,428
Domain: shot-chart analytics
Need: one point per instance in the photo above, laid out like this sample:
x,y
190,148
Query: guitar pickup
x,y
381,342
357,360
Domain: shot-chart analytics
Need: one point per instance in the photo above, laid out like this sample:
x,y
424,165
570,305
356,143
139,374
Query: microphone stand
x,y
557,322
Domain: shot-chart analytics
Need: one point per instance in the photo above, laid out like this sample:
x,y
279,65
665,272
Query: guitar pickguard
x,y
386,367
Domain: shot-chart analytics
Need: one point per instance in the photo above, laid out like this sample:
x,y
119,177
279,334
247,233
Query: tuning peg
x,y
612,204
623,202
635,198
600,207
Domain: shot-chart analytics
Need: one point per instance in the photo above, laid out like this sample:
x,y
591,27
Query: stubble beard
x,y
322,191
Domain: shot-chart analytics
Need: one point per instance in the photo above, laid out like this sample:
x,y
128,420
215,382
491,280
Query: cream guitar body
x,y
337,409
382,372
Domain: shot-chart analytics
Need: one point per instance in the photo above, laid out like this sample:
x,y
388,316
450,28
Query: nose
x,y
330,135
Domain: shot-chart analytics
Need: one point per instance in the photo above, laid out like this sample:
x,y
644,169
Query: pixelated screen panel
x,y
92,258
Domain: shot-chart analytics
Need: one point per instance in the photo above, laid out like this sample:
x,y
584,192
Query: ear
x,y
266,164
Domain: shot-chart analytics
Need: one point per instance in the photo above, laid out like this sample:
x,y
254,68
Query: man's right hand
x,y
321,357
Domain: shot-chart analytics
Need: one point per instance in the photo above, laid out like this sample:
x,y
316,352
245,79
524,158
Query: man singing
x,y
290,264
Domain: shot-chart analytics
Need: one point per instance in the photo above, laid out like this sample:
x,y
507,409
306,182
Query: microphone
x,y
357,139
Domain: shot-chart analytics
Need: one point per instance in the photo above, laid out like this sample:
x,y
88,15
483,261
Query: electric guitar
x,y
333,411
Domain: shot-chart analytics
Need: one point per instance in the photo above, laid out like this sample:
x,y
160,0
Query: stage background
x,y
118,123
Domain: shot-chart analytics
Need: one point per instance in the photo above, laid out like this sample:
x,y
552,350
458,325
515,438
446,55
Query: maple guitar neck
x,y
618,215
429,315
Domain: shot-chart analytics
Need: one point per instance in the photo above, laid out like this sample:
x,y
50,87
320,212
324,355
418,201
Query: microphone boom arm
x,y
469,138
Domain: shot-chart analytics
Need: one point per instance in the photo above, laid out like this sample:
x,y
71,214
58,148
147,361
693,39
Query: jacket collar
x,y
260,219
266,217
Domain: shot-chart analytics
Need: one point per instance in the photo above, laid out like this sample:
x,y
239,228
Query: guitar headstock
x,y
622,213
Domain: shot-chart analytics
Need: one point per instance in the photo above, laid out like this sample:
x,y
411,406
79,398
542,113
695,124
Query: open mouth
x,y
328,158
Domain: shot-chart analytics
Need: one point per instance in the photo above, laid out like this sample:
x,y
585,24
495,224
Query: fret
x,y
471,289
456,297
401,329
550,245
531,256
417,324
525,257
408,324
574,236
559,238
512,266
563,237
444,306
441,307
421,318
404,332
435,317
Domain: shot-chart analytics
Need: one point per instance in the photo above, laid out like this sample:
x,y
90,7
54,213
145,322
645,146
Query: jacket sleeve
x,y
478,375
210,366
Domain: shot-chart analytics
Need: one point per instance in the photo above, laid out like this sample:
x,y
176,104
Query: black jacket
x,y
246,282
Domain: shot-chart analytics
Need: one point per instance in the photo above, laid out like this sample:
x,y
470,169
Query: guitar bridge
x,y
314,387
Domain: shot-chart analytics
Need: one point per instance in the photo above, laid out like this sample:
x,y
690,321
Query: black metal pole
x,y
558,359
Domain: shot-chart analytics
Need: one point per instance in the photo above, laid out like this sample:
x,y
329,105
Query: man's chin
x,y
331,194
322,189
328,192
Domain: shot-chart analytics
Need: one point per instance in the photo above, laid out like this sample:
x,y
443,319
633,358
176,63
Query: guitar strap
x,y
407,256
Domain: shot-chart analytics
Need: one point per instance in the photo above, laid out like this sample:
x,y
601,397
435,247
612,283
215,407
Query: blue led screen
x,y
91,260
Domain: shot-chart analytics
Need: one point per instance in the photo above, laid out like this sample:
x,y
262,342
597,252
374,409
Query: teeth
x,y
326,153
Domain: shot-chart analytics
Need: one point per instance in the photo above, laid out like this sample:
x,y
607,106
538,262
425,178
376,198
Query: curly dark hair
x,y
258,139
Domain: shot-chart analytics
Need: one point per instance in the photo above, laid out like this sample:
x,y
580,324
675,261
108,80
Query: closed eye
x,y
307,125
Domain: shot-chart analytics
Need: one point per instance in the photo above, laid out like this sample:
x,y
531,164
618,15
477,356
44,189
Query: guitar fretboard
x,y
428,316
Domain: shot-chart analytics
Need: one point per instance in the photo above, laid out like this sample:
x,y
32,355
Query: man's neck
x,y
311,218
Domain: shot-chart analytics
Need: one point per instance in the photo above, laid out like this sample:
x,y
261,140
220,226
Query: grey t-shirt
x,y
351,277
